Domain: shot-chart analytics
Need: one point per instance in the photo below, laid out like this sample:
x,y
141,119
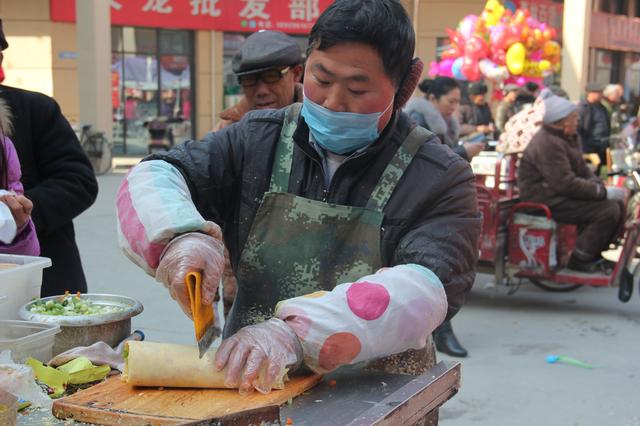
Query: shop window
x,y
152,83
618,7
442,44
175,42
142,40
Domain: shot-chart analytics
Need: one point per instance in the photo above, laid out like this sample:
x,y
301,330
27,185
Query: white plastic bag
x,y
19,380
8,228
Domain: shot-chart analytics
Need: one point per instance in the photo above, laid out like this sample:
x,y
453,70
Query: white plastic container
x,y
28,339
19,284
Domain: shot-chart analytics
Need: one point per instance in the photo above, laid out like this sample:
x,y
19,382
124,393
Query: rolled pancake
x,y
176,366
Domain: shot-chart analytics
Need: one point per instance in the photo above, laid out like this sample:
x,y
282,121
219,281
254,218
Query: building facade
x,y
171,59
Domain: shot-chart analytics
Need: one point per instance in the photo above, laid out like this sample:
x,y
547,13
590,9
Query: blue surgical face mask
x,y
341,132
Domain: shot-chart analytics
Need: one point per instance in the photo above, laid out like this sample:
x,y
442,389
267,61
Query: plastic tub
x,y
28,339
21,283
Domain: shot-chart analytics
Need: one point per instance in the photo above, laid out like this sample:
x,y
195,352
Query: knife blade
x,y
203,315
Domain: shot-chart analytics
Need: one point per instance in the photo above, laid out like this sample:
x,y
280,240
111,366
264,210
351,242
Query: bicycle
x,y
97,148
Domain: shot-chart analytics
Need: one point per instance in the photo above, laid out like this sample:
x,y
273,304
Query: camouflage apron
x,y
297,246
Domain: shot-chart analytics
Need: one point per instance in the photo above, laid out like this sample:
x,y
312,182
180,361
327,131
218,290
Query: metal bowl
x,y
85,330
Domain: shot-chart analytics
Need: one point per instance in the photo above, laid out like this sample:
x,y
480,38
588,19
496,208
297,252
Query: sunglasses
x,y
268,77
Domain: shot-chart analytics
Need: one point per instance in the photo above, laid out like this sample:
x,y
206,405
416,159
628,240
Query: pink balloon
x,y
434,68
521,81
499,56
498,36
535,56
445,67
467,26
533,23
475,48
470,69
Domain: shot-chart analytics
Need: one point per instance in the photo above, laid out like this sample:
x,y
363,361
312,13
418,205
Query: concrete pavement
x,y
506,381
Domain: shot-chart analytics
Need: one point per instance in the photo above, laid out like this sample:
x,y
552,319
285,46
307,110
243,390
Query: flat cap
x,y
264,50
594,86
3,39
511,88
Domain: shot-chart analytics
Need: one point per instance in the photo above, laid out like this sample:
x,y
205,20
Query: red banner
x,y
290,16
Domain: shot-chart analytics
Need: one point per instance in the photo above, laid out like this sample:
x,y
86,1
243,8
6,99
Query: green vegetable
x,y
69,305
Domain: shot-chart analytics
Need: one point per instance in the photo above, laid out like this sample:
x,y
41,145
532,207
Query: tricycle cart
x,y
521,241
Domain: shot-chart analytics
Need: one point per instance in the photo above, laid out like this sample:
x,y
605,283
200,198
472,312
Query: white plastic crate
x,y
21,283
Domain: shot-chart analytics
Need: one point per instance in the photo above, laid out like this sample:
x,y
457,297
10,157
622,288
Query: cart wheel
x,y
553,286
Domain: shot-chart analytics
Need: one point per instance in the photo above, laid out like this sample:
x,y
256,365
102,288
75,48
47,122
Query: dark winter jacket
x,y
57,177
472,116
593,127
431,218
552,170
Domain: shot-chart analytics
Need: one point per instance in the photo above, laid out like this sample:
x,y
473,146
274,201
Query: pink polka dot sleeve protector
x,y
385,313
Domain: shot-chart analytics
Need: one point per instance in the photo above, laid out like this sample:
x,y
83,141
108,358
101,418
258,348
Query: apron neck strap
x,y
396,167
281,169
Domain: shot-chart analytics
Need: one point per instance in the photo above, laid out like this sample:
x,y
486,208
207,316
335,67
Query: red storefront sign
x,y
290,16
614,32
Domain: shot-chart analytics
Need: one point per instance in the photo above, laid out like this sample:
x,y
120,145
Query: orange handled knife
x,y
203,316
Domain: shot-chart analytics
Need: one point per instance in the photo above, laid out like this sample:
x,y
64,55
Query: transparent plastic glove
x,y
99,353
272,343
615,193
188,253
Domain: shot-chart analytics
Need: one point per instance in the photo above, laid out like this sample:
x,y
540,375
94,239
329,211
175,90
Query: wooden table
x,y
356,398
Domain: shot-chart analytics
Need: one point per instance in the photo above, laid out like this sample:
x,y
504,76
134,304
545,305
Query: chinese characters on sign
x,y
291,16
254,9
304,10
205,7
159,6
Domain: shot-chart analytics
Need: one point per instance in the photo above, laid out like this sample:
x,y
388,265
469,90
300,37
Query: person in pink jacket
x,y
17,231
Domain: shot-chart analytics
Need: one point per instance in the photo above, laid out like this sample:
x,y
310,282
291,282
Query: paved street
x,y
506,381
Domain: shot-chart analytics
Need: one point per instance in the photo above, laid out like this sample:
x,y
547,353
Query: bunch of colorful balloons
x,y
501,45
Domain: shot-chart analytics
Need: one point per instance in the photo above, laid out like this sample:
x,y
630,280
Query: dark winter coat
x,y
472,116
57,177
552,170
431,218
594,127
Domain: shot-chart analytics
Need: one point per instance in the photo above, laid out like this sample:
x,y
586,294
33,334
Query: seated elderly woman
x,y
552,171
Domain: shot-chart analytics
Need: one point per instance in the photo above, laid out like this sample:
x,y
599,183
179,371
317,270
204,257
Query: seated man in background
x,y
476,117
552,171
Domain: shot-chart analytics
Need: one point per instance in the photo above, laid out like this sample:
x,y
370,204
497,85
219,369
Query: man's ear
x,y
297,72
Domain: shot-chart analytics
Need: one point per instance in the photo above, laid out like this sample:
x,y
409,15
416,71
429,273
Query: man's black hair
x,y
439,87
382,24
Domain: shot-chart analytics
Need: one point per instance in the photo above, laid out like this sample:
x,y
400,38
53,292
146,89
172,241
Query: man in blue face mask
x,y
352,233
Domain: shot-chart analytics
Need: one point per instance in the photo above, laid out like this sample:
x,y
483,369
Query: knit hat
x,y
555,107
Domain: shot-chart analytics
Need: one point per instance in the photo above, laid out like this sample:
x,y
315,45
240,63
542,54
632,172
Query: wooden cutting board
x,y
113,402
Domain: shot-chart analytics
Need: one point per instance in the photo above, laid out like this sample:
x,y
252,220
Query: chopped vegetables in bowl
x,y
72,305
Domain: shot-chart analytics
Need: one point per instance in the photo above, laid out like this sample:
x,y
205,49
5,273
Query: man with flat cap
x,y
268,67
594,127
57,177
